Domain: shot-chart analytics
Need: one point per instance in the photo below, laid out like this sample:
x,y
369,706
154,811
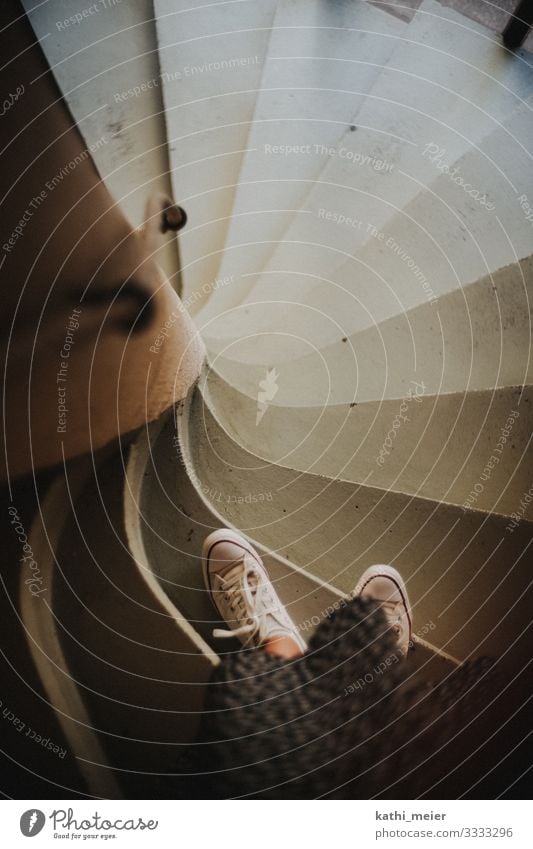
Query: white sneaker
x,y
243,593
387,587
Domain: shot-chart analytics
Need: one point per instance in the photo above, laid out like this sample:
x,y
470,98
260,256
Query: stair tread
x,y
477,337
468,448
441,241
321,63
211,63
450,557
177,518
421,99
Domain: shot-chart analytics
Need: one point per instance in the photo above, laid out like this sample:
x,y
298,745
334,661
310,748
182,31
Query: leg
x,y
293,728
246,598
284,647
386,586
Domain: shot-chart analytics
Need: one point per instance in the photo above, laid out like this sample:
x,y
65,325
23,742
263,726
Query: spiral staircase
x,y
358,180
356,278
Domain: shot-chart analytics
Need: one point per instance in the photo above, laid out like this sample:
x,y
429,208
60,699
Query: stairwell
x,y
357,179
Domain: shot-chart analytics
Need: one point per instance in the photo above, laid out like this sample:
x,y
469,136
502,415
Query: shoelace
x,y
244,590
392,607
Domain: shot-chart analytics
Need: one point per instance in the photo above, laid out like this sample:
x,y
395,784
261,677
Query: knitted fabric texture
x,y
341,722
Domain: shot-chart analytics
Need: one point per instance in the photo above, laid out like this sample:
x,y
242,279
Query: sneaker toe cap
x,y
382,588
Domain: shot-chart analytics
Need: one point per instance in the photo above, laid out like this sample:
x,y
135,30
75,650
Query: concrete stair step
x,y
443,239
467,571
470,448
459,236
169,511
322,61
335,283
212,59
124,668
476,337
170,518
376,171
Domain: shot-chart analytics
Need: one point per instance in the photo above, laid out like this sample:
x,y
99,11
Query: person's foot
x,y
387,587
243,593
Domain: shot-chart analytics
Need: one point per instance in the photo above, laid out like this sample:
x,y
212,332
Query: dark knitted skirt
x,y
344,721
